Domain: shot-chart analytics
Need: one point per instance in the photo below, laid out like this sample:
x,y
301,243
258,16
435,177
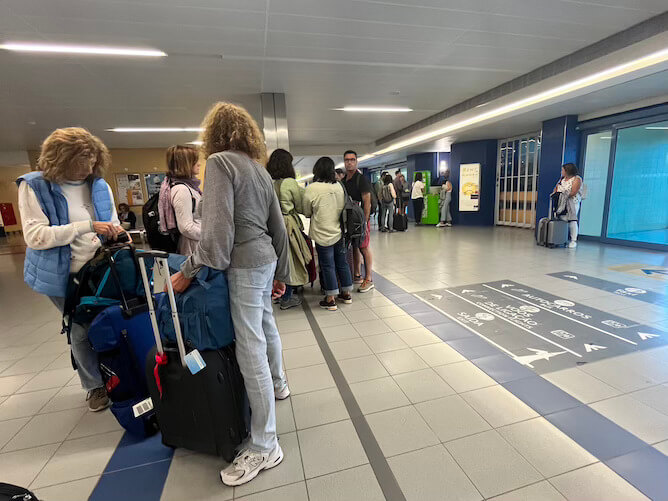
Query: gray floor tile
x,y
389,311
401,430
196,476
9,384
361,316
371,328
464,376
451,418
581,385
362,369
656,397
617,375
302,357
29,365
339,333
542,491
45,429
431,474
438,354
332,319
316,377
402,323
288,472
423,385
355,483
294,325
378,395
492,464
385,342
56,378
350,348
498,406
10,428
646,423
68,397
298,339
400,361
285,421
318,408
25,404
418,337
77,459
78,490
645,469
93,423
330,448
21,467
545,447
661,447
16,352
293,492
596,483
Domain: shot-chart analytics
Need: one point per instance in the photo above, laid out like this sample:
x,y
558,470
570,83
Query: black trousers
x,y
418,205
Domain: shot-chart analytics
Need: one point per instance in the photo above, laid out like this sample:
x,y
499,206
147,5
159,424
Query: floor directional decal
x,y
538,329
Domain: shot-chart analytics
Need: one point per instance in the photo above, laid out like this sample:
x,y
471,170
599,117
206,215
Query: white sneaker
x,y
572,245
283,393
248,464
440,225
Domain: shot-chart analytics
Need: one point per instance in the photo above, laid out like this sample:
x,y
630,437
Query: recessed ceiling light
x,y
656,128
81,49
605,137
375,109
155,129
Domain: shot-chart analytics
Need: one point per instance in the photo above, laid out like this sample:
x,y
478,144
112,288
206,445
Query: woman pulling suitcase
x,y
243,233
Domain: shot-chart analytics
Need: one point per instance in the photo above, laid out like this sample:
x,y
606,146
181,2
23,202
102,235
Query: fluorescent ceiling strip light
x,y
595,78
196,143
656,128
81,49
375,109
155,129
605,137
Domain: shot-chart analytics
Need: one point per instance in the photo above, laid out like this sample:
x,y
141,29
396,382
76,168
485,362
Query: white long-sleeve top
x,y
187,221
39,234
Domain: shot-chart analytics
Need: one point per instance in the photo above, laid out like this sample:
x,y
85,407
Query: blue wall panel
x,y
473,152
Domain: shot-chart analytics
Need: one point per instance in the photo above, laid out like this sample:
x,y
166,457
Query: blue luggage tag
x,y
195,362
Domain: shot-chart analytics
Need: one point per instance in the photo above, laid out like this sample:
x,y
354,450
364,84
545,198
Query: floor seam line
x,y
381,468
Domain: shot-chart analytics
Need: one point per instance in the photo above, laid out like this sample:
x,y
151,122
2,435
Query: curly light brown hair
x,y
230,127
67,151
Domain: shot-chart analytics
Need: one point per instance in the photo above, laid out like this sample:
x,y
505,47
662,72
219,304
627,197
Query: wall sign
x,y
153,182
469,187
129,189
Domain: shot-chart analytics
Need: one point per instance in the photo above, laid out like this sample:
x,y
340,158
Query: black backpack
x,y
167,242
374,197
353,220
10,492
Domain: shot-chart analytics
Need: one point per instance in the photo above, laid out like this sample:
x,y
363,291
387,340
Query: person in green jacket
x,y
290,195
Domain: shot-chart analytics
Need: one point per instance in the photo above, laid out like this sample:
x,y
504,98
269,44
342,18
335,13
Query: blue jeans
x,y
88,367
387,210
258,348
333,264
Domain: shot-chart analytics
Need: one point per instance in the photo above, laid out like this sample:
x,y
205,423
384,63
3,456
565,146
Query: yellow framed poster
x,y
469,187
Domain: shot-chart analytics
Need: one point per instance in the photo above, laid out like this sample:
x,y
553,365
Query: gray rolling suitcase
x,y
552,232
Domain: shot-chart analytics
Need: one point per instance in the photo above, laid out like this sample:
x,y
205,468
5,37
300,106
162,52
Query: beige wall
x,y
9,191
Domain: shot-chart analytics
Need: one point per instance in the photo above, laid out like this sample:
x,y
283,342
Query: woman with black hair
x,y
570,185
417,196
290,196
323,202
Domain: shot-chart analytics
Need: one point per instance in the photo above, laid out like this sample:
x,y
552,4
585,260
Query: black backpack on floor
x,y
10,492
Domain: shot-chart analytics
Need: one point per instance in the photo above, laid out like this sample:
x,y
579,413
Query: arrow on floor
x,y
503,286
437,296
464,291
571,276
593,347
646,335
660,272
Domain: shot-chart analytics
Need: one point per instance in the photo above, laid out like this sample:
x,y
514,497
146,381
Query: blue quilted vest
x,y
47,271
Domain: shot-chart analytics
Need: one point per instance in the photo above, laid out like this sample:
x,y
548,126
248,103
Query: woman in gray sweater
x,y
243,234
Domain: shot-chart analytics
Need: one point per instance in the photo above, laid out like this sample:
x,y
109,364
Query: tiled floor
x,y
445,429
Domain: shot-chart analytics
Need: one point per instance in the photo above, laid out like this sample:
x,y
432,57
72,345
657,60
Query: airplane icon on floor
x,y
538,355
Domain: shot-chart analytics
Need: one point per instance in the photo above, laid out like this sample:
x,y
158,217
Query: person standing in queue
x,y
243,233
417,196
65,206
359,189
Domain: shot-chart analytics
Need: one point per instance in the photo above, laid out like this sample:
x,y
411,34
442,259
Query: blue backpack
x,y
204,310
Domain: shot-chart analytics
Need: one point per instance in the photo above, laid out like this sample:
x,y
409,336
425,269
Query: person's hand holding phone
x,y
108,230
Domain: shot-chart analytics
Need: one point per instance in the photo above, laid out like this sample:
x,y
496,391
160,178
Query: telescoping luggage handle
x,y
163,270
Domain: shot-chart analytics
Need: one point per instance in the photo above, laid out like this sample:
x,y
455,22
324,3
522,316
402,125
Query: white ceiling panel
x,y
423,54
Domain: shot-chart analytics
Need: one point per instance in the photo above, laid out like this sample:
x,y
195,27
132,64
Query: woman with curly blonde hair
x,y
64,206
243,233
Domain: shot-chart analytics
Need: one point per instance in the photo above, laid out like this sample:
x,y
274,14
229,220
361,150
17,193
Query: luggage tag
x,y
195,362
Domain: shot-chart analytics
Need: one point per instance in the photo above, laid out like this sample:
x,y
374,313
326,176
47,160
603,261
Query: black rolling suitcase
x,y
205,412
400,221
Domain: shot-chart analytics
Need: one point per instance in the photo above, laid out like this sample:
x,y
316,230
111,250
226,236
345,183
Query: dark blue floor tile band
x,y
627,455
137,471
